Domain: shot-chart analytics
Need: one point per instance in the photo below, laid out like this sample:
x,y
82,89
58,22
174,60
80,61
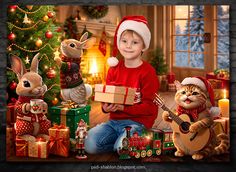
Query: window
x,y
221,36
188,43
189,24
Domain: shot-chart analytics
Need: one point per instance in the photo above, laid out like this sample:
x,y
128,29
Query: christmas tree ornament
x,y
11,36
56,54
55,101
48,34
13,85
51,73
12,8
39,42
102,43
26,20
50,14
27,61
9,49
30,7
45,18
96,12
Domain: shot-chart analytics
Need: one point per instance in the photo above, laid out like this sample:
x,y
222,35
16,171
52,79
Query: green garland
x,y
96,11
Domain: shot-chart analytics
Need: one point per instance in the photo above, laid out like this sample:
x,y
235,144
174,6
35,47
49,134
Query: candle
x,y
224,106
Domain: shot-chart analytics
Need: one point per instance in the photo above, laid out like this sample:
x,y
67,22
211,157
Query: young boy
x,y
132,37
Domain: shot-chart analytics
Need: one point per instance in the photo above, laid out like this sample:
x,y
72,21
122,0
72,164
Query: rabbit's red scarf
x,y
68,59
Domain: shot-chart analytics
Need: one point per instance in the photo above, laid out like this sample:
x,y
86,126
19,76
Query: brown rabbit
x,y
72,85
30,86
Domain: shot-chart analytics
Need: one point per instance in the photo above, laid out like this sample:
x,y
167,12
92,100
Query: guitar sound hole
x,y
184,127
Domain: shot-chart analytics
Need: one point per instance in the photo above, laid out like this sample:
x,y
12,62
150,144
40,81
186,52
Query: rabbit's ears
x,y
85,42
19,68
35,64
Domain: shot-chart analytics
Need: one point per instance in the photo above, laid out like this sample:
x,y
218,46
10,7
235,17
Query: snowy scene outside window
x,y
222,36
188,39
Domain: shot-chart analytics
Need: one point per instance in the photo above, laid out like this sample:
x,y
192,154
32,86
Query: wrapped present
x,y
225,81
10,141
164,85
69,116
21,147
224,121
38,148
171,78
11,115
114,94
220,94
215,83
59,140
172,87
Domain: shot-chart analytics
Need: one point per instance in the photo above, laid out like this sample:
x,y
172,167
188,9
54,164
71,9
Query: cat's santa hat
x,y
205,85
138,24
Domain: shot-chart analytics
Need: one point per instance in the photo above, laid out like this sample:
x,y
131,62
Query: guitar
x,y
180,124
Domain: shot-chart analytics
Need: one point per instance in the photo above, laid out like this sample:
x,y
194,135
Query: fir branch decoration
x,y
96,12
158,62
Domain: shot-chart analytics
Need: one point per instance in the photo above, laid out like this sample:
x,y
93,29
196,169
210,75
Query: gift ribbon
x,y
59,146
39,141
22,149
126,94
69,104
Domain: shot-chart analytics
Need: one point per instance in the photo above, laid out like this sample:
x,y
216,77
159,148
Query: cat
x,y
188,98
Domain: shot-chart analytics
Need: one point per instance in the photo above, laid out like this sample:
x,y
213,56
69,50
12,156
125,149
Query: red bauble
x,y
51,73
48,34
12,8
50,14
13,85
11,36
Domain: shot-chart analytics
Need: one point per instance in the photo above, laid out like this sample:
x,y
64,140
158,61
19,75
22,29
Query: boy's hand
x,y
107,107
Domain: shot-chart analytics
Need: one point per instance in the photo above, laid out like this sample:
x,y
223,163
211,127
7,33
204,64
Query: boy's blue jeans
x,y
107,137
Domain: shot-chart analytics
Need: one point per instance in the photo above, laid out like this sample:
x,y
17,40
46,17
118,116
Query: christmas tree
x,y
32,30
158,62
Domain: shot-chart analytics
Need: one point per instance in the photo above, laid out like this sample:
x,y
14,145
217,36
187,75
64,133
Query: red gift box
x,y
171,78
21,147
225,82
11,115
10,139
59,140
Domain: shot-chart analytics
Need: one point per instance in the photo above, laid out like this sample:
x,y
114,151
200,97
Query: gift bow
x,y
56,126
69,104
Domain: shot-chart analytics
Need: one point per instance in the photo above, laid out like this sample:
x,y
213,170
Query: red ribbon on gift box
x,y
59,145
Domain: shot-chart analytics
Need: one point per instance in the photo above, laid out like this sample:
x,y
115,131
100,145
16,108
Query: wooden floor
x,y
97,117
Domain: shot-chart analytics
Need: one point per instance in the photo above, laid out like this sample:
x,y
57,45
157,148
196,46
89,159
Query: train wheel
x,y
137,155
158,151
149,153
143,153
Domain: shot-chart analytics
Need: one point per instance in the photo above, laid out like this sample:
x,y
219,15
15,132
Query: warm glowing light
x,y
225,94
93,68
56,54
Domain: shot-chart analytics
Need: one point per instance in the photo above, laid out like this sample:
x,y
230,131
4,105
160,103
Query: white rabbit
x,y
30,86
72,85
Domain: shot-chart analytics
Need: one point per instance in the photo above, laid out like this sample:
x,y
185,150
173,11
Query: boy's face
x,y
131,45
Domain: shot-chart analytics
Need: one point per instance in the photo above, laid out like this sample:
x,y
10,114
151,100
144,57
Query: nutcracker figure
x,y
80,135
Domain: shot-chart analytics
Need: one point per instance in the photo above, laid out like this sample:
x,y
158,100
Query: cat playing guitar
x,y
192,133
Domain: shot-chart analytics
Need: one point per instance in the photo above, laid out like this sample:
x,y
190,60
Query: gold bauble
x,y
29,7
45,18
55,101
39,42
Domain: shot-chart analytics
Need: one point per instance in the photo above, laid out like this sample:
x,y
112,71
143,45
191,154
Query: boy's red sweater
x,y
145,80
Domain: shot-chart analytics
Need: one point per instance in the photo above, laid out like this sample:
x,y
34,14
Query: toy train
x,y
153,142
